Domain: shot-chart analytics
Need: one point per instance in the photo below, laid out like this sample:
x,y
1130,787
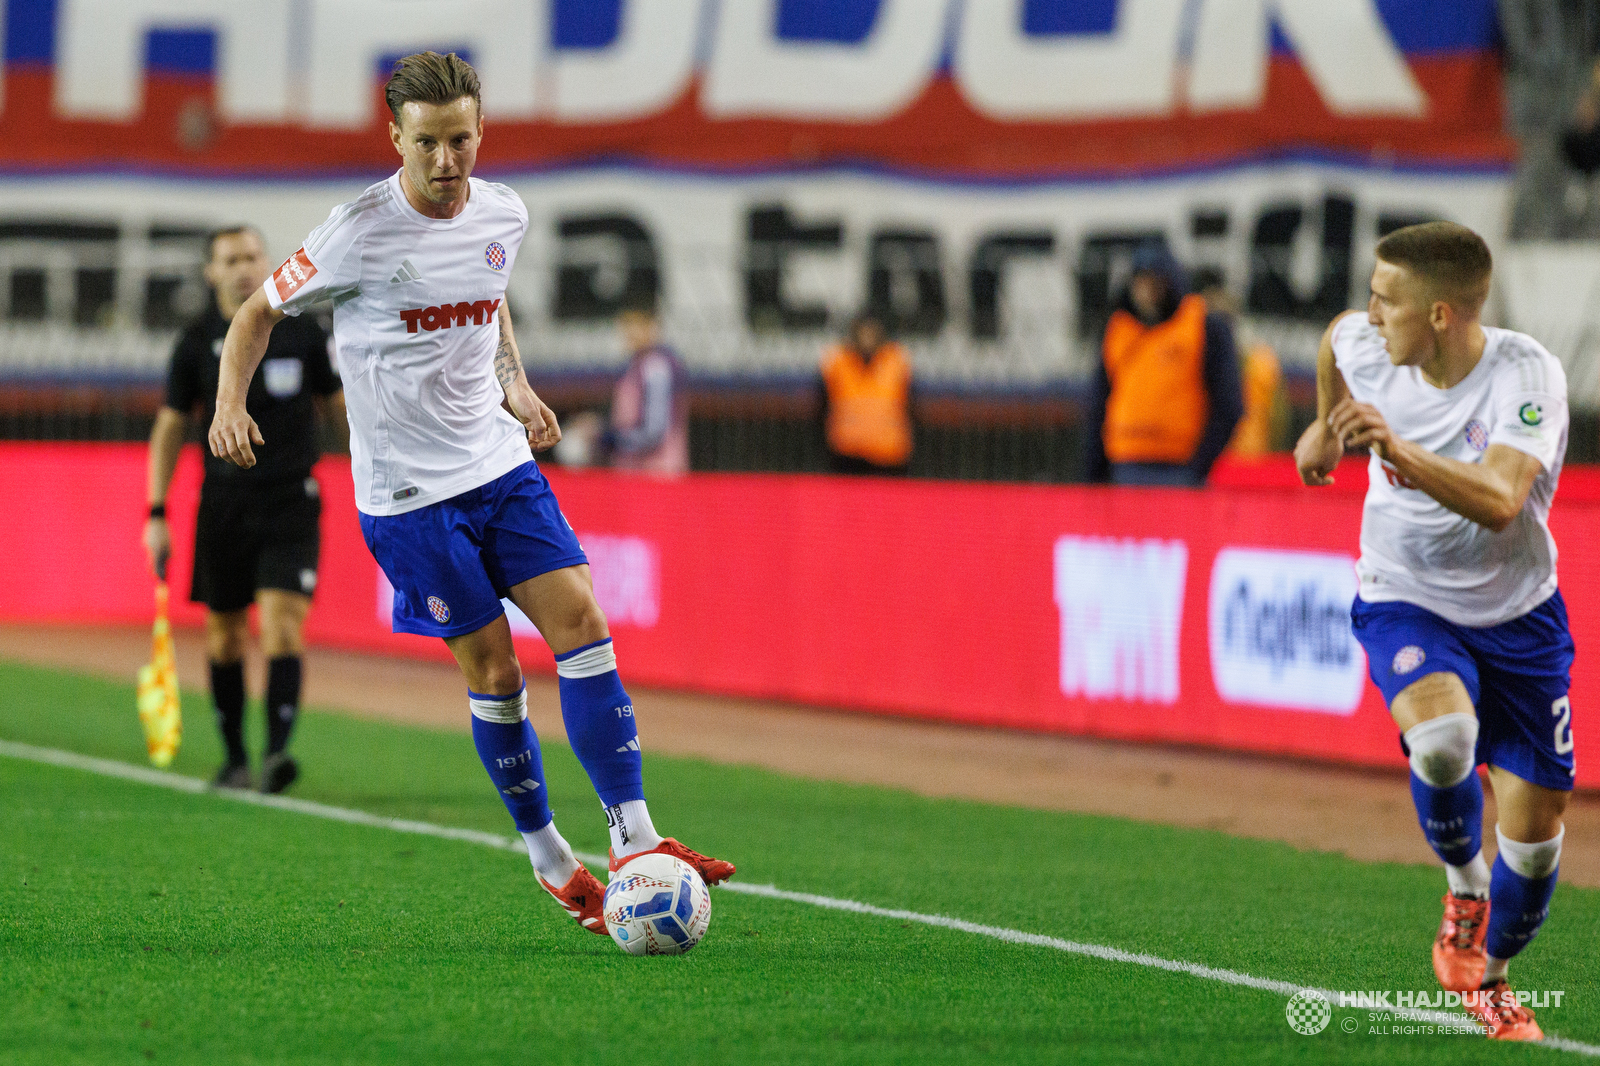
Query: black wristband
x,y
158,510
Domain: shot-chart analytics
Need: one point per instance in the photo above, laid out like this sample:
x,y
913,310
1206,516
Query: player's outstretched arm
x,y
1490,493
524,405
1319,450
233,431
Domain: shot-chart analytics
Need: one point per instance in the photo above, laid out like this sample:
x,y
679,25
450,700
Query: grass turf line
x,y
447,930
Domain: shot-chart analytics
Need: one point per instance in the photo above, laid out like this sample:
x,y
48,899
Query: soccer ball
x,y
657,905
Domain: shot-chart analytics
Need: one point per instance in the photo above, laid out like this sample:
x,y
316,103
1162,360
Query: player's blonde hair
x,y
1451,260
430,78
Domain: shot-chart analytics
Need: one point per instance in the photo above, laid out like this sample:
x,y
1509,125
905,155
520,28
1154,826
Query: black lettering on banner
x,y
1103,266
1284,627
1208,232
772,236
905,282
1272,289
603,264
987,274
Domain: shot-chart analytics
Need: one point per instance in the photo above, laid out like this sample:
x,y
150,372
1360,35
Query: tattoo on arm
x,y
507,365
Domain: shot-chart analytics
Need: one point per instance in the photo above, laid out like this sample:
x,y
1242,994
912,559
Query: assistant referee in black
x,y
256,536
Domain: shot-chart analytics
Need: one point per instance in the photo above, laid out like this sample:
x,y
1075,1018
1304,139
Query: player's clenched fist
x,y
535,416
1360,425
232,433
1317,453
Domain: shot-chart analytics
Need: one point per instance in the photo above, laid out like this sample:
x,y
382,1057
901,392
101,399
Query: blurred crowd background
x,y
866,236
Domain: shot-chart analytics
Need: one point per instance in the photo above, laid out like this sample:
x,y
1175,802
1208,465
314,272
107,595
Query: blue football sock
x,y
510,752
1519,893
599,719
1452,818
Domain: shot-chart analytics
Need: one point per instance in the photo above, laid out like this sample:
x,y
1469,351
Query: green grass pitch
x,y
143,925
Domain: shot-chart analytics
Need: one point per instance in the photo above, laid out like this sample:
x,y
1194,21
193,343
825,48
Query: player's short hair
x,y
430,78
1451,260
229,231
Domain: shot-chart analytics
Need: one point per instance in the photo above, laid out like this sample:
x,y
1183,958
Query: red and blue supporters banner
x,y
1218,618
997,90
977,171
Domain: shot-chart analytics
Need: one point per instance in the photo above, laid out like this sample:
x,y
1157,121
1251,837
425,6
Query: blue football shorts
x,y
1518,674
451,562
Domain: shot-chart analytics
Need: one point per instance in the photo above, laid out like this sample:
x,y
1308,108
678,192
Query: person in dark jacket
x,y
1166,394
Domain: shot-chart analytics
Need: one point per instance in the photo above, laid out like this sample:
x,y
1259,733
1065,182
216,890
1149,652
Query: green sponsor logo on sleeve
x,y
1531,414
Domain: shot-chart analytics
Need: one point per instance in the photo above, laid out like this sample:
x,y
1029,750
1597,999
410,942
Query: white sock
x,y
1469,880
550,855
631,829
1495,971
1531,860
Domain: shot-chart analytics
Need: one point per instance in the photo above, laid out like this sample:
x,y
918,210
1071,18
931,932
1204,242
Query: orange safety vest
x,y
1262,376
869,404
1157,409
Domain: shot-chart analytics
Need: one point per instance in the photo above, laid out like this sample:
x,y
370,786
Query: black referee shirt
x,y
295,369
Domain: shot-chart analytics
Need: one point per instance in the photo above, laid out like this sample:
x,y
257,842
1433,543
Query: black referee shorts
x,y
250,537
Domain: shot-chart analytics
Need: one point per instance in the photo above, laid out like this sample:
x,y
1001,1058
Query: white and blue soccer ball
x,y
657,905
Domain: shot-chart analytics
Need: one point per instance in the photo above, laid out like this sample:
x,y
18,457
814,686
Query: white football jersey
x,y
415,305
1414,549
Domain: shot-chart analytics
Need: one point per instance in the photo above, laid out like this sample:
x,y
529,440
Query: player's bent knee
x,y
1430,696
501,677
578,623
1444,749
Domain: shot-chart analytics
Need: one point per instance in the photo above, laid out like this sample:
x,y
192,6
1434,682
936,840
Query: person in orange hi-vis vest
x,y
1258,431
866,402
1167,394
1266,407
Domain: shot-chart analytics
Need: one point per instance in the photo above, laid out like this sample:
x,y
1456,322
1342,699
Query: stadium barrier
x,y
1217,618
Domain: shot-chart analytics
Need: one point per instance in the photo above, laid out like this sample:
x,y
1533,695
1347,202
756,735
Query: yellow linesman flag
x,y
159,712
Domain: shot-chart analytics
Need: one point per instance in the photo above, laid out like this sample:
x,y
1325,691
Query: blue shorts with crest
x,y
451,562
1517,673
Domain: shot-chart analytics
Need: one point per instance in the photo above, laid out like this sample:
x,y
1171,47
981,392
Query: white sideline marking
x,y
177,782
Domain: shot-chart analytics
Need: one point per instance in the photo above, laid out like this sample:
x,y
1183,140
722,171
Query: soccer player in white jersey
x,y
1458,610
442,418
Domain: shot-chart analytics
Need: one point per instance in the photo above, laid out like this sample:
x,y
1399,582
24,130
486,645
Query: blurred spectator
x,y
1264,427
866,402
1167,394
1550,48
1580,143
648,428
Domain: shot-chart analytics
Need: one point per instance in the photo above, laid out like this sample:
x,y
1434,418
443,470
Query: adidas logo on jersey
x,y
446,315
406,273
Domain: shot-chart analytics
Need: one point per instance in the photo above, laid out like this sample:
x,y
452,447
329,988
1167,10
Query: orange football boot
x,y
583,897
1458,955
1496,1006
711,870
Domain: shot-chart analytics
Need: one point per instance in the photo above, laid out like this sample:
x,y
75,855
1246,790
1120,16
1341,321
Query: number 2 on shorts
x,y
1562,710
